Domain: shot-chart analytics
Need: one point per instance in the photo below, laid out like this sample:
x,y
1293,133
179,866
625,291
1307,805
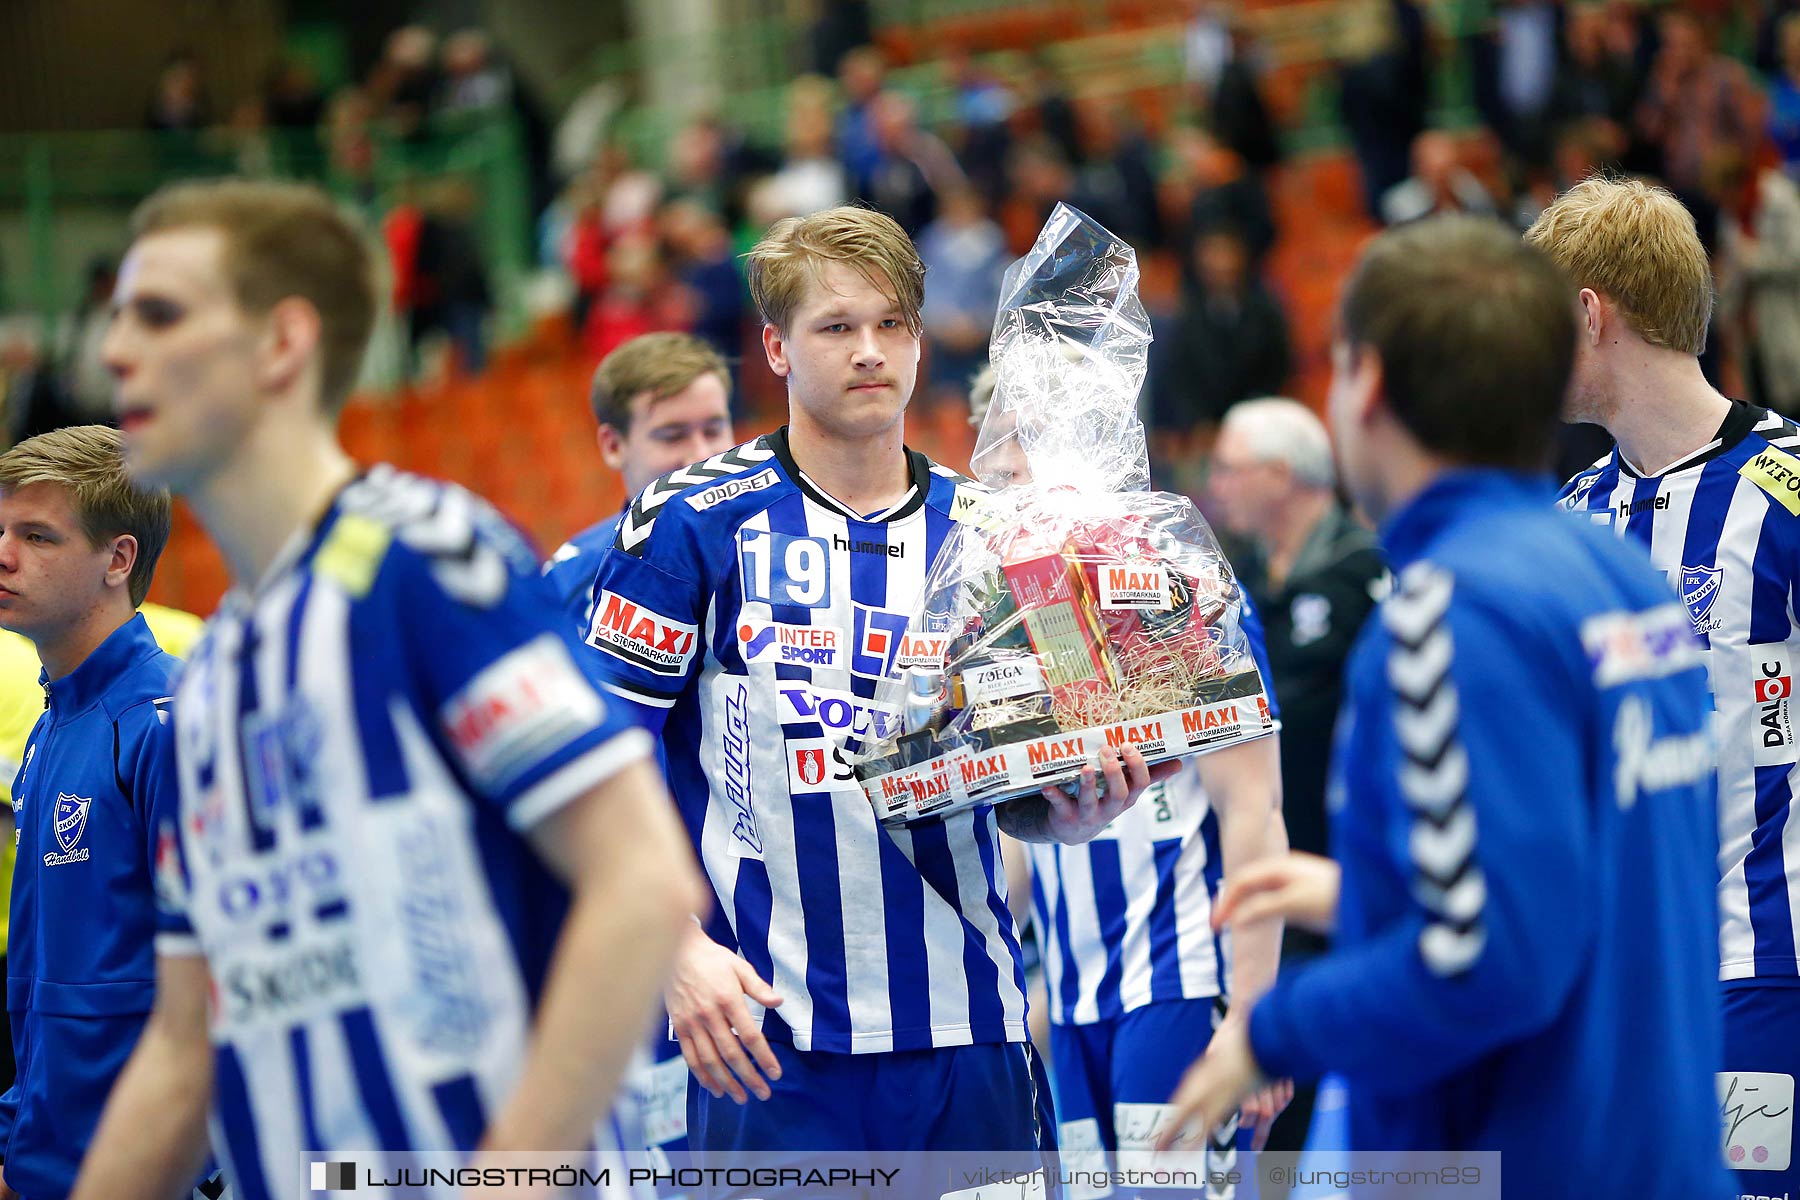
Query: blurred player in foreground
x,y
1711,487
430,881
859,988
78,547
663,401
1524,771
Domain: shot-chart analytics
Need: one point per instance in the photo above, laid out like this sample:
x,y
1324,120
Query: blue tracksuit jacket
x,y
1522,794
99,774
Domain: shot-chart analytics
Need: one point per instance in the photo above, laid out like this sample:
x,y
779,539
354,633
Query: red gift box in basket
x,y
1072,608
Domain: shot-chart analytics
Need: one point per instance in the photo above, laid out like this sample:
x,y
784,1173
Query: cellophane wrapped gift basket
x,y
1073,608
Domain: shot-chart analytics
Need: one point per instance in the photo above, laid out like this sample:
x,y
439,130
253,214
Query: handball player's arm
x,y
1053,815
1492,956
1244,784
151,1142
634,883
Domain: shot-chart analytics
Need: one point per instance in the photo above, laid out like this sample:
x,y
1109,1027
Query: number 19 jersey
x,y
750,616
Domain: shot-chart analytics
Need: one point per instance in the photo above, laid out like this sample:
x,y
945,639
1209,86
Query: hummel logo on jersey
x,y
1630,508
642,636
891,550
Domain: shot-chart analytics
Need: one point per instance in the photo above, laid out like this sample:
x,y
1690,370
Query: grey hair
x,y
1286,431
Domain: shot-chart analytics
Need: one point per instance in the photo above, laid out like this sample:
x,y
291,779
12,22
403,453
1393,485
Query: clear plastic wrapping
x,y
1072,608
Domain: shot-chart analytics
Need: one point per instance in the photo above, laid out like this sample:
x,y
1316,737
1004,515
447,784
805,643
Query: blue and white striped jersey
x,y
362,743
750,616
1126,919
1724,525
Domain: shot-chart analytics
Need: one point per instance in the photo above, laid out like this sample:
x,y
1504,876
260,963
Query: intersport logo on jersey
x,y
642,636
796,645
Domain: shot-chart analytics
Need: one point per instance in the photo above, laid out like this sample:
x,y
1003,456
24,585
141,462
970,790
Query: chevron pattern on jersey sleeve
x,y
640,518
1434,770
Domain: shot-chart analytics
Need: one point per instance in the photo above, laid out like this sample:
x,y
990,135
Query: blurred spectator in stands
x,y
450,283
861,74
1768,55
1697,104
1784,96
1599,78
1224,84
292,96
87,380
1578,150
404,83
811,177
1514,62
965,255
1439,184
1116,182
1385,86
616,200
35,400
473,81
1040,177
712,163
1048,109
1760,296
978,133
245,138
839,27
637,298
178,102
913,167
1206,186
350,145
705,267
1228,342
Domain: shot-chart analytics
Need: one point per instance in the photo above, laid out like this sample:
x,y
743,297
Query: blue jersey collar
x,y
1408,533
123,649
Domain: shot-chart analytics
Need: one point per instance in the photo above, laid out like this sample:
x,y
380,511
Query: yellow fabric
x,y
22,703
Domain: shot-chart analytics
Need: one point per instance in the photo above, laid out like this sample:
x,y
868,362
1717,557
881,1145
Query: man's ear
x,y
775,347
1369,398
1596,313
290,343
124,557
612,446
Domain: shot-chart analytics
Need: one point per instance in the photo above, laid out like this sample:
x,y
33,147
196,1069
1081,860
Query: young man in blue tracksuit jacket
x,y
78,546
1522,784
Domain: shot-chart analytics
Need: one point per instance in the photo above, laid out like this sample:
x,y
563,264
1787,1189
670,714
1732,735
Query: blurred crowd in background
x,y
1701,94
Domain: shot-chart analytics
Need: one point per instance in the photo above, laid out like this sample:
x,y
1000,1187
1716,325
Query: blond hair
x,y
791,254
659,364
89,462
1635,244
284,240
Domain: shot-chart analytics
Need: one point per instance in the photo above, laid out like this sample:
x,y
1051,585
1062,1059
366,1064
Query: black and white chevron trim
x,y
640,518
439,521
1780,432
1434,769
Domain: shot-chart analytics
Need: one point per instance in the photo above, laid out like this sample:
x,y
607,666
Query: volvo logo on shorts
x,y
71,822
